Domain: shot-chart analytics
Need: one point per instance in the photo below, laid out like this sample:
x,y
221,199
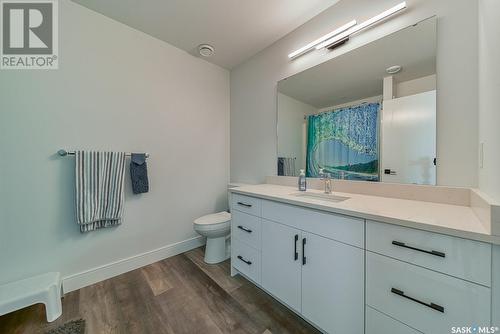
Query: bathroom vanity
x,y
395,255
352,263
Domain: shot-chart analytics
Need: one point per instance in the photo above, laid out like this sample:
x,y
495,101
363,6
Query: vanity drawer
x,y
246,228
337,227
247,204
379,323
405,292
458,257
246,260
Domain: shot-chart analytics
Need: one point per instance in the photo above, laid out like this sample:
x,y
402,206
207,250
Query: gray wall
x,y
253,84
116,89
489,103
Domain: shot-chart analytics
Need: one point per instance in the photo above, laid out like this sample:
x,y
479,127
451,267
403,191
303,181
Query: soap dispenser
x,y
302,180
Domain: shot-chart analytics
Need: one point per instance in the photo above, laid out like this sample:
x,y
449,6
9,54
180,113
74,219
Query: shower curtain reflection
x,y
344,142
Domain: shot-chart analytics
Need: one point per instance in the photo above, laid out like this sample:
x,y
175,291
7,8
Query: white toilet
x,y
216,228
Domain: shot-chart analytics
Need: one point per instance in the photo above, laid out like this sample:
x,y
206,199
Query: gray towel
x,y
139,173
100,192
286,166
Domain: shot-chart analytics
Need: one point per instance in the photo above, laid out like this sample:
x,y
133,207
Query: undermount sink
x,y
323,197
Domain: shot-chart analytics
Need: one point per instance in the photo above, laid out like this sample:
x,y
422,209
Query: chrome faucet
x,y
328,180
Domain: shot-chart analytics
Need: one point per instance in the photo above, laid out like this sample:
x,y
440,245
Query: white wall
x,y
116,89
253,84
489,103
416,86
291,129
372,99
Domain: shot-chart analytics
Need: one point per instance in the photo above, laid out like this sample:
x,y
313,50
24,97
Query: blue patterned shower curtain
x,y
344,142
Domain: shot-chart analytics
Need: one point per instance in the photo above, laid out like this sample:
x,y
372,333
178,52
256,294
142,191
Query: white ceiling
x,y
359,74
238,29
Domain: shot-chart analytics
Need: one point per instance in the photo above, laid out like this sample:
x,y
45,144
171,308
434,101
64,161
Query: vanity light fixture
x,y
364,25
342,34
311,45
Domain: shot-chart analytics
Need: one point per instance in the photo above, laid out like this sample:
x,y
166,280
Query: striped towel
x,y
100,193
286,166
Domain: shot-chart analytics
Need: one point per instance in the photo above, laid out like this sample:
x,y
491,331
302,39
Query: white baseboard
x,y
89,277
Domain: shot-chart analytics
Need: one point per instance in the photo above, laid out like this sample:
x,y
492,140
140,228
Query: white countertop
x,y
455,220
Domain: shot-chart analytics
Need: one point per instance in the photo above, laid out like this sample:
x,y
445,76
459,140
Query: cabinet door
x,y
281,262
333,285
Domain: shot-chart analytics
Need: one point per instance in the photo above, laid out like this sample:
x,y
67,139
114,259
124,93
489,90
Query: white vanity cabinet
x,y
311,261
246,236
281,262
347,275
333,285
424,299
428,281
448,255
320,278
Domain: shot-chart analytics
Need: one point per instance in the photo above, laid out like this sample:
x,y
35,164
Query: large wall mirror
x,y
369,114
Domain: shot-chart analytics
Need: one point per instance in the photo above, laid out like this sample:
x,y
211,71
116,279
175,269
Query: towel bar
x,y
64,153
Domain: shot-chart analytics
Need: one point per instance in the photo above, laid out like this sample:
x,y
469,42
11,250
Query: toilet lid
x,y
214,218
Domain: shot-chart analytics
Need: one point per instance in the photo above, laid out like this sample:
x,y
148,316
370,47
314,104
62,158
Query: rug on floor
x,y
71,327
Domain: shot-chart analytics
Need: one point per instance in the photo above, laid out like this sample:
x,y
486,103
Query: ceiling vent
x,y
206,50
393,69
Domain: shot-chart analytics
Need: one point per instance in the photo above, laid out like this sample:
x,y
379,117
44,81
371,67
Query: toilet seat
x,y
213,221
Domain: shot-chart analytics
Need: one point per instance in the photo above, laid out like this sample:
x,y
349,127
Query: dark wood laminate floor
x,y
178,295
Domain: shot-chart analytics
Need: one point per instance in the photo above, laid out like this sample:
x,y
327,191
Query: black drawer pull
x,y
304,259
245,204
431,252
246,261
244,229
433,306
295,253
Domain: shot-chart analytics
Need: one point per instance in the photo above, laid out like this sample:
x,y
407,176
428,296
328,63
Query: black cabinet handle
x,y
431,252
245,204
244,229
295,253
433,306
246,261
304,260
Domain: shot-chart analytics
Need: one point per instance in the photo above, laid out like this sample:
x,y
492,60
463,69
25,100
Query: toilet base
x,y
215,250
